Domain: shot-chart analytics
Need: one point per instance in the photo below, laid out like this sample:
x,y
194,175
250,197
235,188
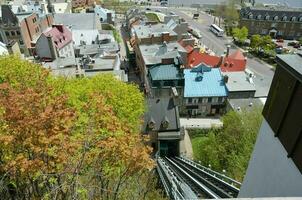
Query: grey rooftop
x,y
238,81
145,31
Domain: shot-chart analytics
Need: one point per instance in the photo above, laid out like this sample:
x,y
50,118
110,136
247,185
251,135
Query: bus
x,y
216,30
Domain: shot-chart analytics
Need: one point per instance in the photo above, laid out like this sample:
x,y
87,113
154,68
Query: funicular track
x,y
204,182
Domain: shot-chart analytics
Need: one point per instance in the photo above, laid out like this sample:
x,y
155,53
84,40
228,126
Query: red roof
x,y
234,62
60,35
237,55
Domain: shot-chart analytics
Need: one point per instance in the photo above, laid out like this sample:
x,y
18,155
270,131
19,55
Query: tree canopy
x,y
70,138
240,34
229,148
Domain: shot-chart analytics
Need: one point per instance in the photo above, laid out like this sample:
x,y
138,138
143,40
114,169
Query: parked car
x,y
279,50
293,43
297,46
148,8
280,40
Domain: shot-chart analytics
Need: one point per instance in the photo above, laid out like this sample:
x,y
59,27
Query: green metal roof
x,y
165,72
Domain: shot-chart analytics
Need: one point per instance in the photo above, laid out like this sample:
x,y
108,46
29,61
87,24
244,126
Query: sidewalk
x,y
200,123
185,146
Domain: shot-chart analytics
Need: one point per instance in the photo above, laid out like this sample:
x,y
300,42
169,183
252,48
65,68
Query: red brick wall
x,y
25,34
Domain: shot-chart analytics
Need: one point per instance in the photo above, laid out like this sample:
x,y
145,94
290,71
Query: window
x,y
267,17
34,20
215,99
199,100
6,33
259,17
273,25
189,100
276,18
13,33
264,31
293,19
204,100
284,18
210,99
280,32
300,19
21,42
203,109
18,32
195,100
220,99
251,16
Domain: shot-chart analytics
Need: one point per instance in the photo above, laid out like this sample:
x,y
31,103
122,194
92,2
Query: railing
x,y
214,173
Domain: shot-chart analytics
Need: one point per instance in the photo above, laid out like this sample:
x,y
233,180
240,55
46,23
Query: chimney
x,y
165,36
225,78
220,62
228,50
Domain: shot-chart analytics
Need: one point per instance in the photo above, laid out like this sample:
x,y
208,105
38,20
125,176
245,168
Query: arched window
x,y
300,19
284,18
276,18
251,16
293,19
267,17
259,17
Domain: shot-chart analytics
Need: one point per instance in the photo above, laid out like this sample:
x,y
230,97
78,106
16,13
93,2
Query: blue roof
x,y
165,72
206,83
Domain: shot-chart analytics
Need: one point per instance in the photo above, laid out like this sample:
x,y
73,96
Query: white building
x,y
55,42
89,37
104,15
3,49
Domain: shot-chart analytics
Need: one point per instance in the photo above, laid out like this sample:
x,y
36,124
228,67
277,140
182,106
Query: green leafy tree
x,y
229,148
255,42
240,34
71,138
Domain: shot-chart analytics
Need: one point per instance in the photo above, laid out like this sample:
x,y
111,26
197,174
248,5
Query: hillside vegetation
x,y
228,148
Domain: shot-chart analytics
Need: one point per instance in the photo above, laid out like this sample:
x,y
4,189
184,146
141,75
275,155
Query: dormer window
x,y
251,16
293,19
284,18
165,123
151,124
300,19
267,17
276,18
259,17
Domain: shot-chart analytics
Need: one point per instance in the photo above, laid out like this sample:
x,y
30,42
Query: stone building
x,y
274,21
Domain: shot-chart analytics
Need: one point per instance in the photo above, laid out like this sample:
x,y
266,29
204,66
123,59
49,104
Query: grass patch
x,y
152,17
116,34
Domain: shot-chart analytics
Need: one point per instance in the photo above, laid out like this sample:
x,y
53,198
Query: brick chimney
x,y
228,51
165,36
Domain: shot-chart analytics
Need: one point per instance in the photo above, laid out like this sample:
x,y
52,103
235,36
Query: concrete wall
x,y
270,172
66,51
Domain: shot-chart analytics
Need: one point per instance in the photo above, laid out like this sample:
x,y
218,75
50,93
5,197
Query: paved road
x,y
200,123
